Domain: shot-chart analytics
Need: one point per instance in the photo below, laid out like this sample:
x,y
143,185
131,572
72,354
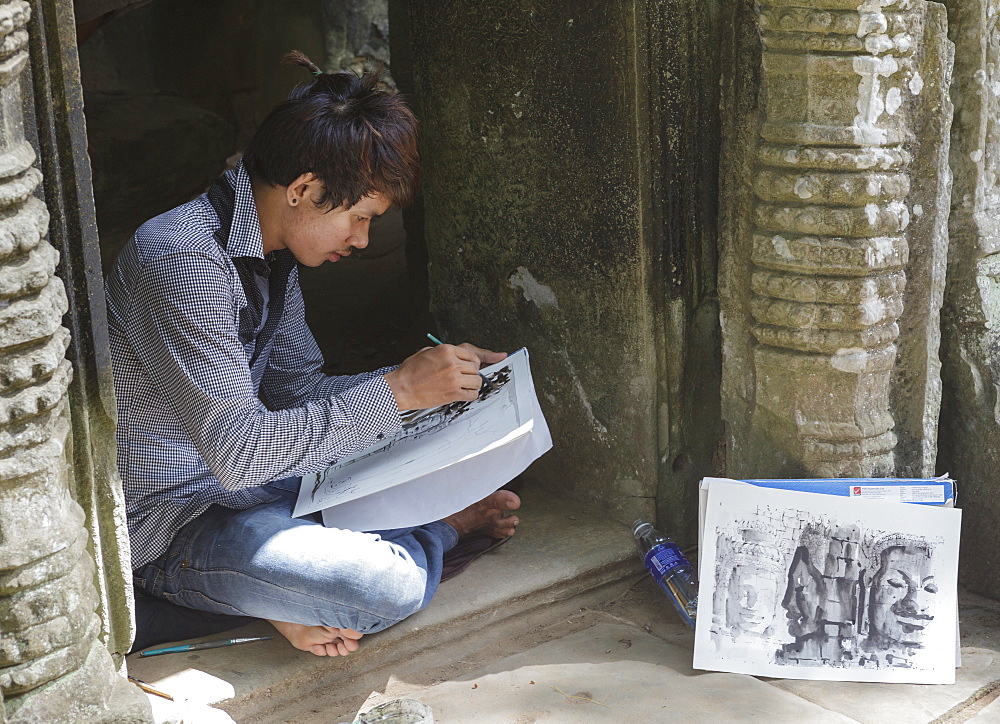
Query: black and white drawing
x,y
820,587
417,424
378,487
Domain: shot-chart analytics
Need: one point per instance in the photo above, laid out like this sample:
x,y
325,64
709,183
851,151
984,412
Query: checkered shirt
x,y
215,396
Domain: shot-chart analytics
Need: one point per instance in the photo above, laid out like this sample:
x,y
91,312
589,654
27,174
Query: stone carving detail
x,y
829,248
53,666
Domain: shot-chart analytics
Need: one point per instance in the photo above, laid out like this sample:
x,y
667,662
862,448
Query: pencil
x,y
149,689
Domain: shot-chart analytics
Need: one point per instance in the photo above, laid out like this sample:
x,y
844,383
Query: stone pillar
x,y
832,260
53,664
970,415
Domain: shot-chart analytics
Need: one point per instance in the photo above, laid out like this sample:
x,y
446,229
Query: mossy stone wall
x,y
555,138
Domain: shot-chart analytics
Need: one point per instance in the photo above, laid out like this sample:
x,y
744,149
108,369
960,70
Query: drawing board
x,y
807,586
441,461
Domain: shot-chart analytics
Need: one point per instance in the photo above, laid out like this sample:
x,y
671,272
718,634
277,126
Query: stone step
x,y
560,624
565,556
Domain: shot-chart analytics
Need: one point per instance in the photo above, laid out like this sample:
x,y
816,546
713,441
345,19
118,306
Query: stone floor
x,y
559,625
628,662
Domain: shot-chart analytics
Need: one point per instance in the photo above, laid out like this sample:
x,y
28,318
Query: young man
x,y
221,401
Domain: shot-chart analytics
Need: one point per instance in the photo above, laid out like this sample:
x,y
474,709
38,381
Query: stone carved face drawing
x,y
804,595
752,606
901,598
753,584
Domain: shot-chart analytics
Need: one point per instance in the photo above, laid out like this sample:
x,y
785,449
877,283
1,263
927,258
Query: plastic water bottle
x,y
669,568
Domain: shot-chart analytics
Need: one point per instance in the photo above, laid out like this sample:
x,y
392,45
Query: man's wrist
x,y
396,387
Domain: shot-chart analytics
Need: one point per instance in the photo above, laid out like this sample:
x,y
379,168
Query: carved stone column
x,y
819,277
970,415
53,665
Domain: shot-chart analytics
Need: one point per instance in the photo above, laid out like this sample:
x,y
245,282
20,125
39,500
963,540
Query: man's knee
x,y
394,600
348,580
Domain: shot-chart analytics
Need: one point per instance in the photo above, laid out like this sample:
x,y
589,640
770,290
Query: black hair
x,y
357,136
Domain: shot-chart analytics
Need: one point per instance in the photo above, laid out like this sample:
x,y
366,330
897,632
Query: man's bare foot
x,y
487,516
319,640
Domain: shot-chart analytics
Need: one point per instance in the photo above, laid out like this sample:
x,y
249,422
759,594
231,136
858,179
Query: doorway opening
x,y
174,90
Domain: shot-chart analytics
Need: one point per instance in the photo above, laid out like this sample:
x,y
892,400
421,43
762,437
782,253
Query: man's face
x,y
315,235
902,594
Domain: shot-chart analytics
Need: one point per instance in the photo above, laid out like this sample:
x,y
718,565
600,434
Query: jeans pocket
x,y
263,496
150,578
288,485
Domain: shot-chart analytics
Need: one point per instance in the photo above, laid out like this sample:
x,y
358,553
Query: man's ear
x,y
305,187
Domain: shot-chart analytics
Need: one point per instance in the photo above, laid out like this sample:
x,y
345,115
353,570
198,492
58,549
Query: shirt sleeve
x,y
294,373
183,327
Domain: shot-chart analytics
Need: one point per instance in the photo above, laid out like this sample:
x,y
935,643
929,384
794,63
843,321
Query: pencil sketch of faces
x,y
422,421
418,423
805,594
856,599
804,590
749,604
901,598
751,568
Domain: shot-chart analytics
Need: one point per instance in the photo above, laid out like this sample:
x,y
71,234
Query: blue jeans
x,y
261,562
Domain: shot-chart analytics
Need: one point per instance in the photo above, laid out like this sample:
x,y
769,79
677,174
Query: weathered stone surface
x,y
835,256
23,230
27,319
90,693
53,665
29,274
618,673
45,621
570,208
817,276
36,442
970,415
62,555
915,387
356,33
24,366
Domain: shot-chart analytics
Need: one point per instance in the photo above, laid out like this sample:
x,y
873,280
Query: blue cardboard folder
x,y
920,491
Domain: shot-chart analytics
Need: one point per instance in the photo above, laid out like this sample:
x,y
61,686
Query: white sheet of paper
x,y
805,586
443,461
444,492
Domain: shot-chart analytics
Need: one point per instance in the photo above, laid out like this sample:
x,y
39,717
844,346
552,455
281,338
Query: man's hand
x,y
439,375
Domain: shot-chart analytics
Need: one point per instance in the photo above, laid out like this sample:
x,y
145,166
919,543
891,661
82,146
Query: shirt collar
x,y
245,238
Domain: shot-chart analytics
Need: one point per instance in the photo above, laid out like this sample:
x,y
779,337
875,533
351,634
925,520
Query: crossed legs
x,y
486,516
322,588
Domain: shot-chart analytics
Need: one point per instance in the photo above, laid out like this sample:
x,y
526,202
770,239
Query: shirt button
x,y
379,436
